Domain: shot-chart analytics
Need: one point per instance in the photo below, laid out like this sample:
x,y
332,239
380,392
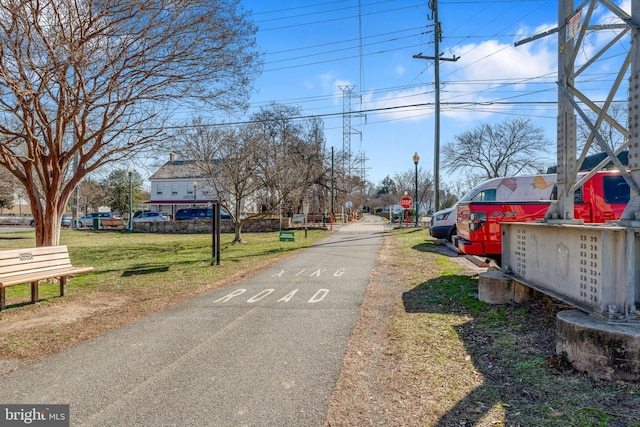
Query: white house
x,y
179,184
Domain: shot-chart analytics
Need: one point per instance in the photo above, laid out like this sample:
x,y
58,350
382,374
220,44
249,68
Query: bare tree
x,y
87,82
612,129
406,181
229,158
511,147
256,169
92,195
7,190
293,159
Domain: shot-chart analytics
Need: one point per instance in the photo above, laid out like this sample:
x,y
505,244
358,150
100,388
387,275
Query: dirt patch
x,y
361,396
63,312
376,386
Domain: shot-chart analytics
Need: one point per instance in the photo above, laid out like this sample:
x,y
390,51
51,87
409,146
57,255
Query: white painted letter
x,y
260,295
339,273
280,274
317,272
288,296
317,297
231,295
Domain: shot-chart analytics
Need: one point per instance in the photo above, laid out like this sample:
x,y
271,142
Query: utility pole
x,y
333,197
433,5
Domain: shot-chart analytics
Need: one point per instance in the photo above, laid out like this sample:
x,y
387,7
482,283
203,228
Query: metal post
x,y
215,233
195,192
633,206
218,229
416,205
130,220
566,128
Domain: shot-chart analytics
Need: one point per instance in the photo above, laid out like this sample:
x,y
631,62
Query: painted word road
x,y
291,277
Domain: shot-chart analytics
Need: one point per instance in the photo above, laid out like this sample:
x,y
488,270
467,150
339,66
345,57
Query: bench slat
x,y
18,266
44,250
23,260
33,265
42,275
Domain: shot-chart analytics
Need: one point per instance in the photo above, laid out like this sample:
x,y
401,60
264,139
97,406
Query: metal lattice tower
x,y
346,127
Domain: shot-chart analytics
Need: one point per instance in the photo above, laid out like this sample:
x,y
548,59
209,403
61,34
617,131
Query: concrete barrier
x,y
604,350
496,288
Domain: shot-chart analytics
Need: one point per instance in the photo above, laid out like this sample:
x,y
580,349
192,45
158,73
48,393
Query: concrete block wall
x,y
197,226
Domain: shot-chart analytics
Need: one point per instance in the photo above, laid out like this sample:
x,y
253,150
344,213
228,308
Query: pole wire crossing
x,y
433,5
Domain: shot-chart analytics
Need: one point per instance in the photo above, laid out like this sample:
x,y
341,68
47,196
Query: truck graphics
x,y
521,188
601,198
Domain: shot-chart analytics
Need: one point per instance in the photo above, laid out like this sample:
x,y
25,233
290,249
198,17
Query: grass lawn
x,y
452,360
485,365
142,272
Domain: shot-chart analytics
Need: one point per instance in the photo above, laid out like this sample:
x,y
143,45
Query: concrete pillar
x,y
496,288
604,350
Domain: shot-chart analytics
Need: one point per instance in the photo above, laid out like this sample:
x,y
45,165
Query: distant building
x,y
21,205
179,184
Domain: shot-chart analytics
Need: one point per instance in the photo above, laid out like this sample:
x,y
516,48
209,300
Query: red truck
x,y
603,197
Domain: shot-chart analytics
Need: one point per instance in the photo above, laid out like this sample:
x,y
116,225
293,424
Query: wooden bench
x,y
19,266
111,222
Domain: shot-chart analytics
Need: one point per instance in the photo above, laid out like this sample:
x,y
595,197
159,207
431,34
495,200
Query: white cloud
x,y
493,61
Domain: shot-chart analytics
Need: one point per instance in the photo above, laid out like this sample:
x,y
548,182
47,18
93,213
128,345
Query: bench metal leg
x,y
63,286
34,292
3,301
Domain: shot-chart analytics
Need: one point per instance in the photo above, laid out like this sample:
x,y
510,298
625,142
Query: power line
x,y
341,18
277,52
363,111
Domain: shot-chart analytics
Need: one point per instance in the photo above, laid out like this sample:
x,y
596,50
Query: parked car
x,y
197,213
65,221
443,223
151,217
87,219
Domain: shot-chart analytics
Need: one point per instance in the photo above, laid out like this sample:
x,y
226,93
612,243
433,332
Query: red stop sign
x,y
406,202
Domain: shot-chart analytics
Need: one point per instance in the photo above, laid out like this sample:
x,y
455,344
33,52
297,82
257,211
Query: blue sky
x,y
315,47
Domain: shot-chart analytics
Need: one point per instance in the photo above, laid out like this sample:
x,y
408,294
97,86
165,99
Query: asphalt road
x,y
266,351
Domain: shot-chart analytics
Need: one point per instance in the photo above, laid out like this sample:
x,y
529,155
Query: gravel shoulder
x,y
378,385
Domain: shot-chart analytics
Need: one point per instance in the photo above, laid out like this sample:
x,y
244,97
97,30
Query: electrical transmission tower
x,y
363,166
346,127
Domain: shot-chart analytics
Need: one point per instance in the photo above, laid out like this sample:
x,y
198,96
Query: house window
x,y
158,188
174,189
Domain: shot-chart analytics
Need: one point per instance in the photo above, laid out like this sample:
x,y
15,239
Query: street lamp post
x,y
416,205
195,192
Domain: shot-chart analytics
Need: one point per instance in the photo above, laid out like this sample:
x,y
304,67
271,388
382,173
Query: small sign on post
x,y
287,236
406,202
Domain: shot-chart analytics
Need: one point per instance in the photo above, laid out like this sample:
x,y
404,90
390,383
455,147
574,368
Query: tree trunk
x,y
238,232
47,231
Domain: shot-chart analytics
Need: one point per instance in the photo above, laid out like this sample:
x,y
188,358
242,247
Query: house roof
x,y
178,169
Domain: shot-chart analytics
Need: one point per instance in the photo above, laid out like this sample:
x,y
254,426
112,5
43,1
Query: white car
x,y
151,217
443,223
